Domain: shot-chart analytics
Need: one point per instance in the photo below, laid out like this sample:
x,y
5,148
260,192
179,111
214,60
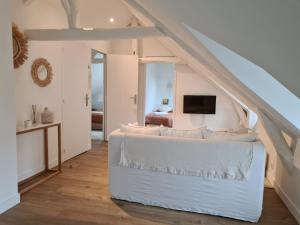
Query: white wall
x,y
158,77
150,47
190,83
8,155
153,47
30,146
123,47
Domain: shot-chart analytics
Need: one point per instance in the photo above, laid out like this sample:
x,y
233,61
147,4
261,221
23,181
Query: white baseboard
x,y
271,178
9,202
288,202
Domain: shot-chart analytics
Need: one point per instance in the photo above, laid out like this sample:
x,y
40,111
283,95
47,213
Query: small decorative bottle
x,y
47,116
34,114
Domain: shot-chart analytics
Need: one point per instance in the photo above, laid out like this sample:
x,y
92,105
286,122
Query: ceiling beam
x,y
71,10
162,59
278,141
92,35
297,154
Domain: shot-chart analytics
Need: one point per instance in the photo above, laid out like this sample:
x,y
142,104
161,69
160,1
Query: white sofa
x,y
239,199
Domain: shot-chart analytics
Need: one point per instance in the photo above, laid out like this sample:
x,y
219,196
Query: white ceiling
x,y
96,13
49,14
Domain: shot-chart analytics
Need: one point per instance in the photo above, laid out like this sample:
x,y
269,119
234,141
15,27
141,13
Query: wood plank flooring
x,y
79,195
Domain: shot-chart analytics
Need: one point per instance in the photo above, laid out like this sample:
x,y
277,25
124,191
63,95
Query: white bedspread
x,y
191,157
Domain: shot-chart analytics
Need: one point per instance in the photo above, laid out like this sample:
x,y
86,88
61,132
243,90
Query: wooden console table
x,y
45,175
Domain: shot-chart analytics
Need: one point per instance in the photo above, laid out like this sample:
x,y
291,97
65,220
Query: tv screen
x,y
199,104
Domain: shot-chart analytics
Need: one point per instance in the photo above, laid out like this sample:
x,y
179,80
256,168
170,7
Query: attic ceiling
x,y
98,12
49,14
265,32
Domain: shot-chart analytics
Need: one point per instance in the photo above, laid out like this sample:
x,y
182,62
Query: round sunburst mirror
x,y
20,46
41,72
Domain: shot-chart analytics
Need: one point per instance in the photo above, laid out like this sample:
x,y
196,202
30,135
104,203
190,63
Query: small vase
x,y
34,114
47,116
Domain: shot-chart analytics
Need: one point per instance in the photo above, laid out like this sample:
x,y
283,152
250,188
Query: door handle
x,y
134,99
87,98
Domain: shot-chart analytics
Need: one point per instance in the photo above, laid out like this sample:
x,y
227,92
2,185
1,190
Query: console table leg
x,y
59,147
46,149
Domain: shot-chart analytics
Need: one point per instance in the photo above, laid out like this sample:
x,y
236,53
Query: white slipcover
x,y
239,199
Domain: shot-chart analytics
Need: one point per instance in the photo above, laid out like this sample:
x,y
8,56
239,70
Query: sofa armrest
x,y
114,147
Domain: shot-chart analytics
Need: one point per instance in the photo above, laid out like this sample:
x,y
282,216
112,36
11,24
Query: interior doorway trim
x,y
103,61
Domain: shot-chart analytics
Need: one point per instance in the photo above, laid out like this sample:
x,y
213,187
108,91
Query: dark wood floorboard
x,y
79,195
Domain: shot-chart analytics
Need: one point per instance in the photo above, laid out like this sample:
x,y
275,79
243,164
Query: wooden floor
x,y
79,195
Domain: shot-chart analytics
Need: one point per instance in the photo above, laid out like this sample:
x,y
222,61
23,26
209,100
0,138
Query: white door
x,y
76,105
122,86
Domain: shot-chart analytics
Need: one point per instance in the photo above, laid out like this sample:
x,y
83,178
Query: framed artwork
x,y
165,101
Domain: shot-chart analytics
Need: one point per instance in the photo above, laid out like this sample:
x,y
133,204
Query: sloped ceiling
x,y
169,16
264,31
255,78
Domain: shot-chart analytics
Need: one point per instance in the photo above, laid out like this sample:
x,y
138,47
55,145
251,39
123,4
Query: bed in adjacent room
x,y
97,120
159,118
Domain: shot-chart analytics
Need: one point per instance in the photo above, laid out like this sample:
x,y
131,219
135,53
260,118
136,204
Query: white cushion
x,y
206,132
140,130
242,130
251,137
164,108
134,124
171,132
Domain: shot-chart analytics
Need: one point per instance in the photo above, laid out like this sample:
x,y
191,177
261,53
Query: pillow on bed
x,y
140,130
164,108
251,137
171,132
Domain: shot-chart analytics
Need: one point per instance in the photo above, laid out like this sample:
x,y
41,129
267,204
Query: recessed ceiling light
x,y
111,19
87,28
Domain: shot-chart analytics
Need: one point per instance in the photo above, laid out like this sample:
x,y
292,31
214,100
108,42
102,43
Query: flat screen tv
x,y
199,104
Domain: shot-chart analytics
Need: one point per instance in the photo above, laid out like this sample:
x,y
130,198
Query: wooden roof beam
x,y
71,10
93,34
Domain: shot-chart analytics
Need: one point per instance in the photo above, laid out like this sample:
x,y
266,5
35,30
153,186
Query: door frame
x,y
141,93
105,96
142,83
104,121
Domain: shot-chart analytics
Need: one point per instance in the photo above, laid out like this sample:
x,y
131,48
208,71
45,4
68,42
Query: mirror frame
x,y
20,46
34,72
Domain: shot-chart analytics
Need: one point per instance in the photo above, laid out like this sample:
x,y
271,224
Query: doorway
x,y
159,94
97,95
